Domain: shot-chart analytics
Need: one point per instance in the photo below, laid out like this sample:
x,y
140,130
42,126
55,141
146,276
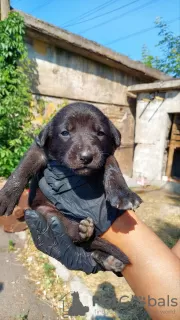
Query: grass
x,y
22,316
48,269
11,245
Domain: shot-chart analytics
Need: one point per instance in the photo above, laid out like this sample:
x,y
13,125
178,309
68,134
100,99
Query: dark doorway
x,y
175,173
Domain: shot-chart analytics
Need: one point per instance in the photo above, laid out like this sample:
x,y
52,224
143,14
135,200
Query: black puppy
x,y
81,138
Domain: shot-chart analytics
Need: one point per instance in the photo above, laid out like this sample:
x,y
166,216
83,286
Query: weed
x,y
11,245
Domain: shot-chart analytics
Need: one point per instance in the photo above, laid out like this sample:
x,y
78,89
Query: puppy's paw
x,y
86,229
109,262
7,202
124,199
113,264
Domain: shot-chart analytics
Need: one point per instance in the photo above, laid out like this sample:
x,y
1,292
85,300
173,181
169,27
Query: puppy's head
x,y
80,137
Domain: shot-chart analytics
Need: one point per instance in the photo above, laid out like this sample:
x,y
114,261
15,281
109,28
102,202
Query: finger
x,y
35,221
59,231
56,226
72,256
31,218
2,209
41,233
9,210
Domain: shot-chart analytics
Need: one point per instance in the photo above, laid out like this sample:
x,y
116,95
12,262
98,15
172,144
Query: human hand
x,y
50,237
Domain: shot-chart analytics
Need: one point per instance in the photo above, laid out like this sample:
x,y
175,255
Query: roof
x,y
155,86
89,49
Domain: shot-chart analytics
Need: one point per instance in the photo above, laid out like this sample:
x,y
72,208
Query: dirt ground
x,y
160,211
18,300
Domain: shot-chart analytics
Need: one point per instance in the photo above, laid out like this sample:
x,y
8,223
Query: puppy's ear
x,y
43,135
115,134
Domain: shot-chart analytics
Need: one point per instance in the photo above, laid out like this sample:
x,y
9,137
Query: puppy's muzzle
x,y
86,157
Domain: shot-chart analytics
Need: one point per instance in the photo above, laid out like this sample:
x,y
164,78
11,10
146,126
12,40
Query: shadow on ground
x,y
127,307
1,286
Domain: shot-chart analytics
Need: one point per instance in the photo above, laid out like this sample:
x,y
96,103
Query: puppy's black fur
x,y
82,138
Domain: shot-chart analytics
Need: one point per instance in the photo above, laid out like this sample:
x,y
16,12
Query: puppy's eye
x,y
101,133
65,133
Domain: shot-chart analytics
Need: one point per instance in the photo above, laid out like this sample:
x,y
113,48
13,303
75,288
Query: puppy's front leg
x,y
117,191
31,163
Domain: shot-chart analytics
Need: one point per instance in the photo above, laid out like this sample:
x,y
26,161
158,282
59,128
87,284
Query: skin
x,y
154,270
176,249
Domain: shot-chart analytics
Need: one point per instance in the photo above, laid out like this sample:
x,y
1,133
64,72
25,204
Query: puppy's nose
x,y
86,157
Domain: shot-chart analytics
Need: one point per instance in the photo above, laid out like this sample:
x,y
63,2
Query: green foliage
x,y
11,245
17,75
15,97
148,59
49,275
48,268
41,105
22,316
169,45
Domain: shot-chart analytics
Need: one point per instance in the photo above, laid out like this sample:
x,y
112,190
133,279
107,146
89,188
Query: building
x,y
68,67
157,133
72,68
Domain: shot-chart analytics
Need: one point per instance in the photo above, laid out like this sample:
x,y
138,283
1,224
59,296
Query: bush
x,y
15,96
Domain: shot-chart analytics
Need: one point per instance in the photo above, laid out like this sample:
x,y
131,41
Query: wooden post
x,y
174,143
4,9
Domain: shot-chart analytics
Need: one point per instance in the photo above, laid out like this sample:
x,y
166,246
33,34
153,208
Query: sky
x,y
105,21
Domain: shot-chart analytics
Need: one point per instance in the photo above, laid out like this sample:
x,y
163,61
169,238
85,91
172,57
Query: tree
x,y
169,45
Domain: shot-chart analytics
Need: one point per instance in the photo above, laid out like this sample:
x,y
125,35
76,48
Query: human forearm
x,y
154,270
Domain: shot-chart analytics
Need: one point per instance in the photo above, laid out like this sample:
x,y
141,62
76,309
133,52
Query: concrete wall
x,y
153,123
68,75
62,75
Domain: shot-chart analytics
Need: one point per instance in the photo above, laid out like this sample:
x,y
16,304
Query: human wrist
x,y
122,226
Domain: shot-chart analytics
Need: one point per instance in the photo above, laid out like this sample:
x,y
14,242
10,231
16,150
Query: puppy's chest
x,y
72,194
77,197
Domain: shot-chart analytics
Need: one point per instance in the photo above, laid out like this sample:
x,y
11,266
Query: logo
x,y
76,308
